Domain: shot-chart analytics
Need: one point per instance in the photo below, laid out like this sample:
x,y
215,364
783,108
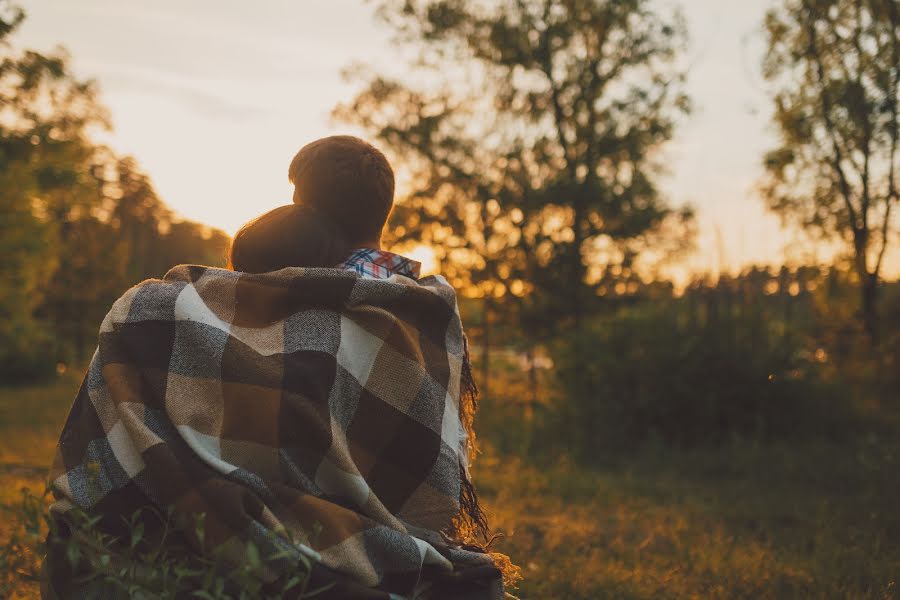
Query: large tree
x,y
531,131
46,115
835,65
78,224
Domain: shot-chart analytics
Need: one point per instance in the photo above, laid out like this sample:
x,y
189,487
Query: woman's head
x,y
288,236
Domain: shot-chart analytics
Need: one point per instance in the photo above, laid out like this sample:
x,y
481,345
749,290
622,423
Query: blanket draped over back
x,y
299,401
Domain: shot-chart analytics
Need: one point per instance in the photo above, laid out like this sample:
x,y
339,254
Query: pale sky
x,y
214,97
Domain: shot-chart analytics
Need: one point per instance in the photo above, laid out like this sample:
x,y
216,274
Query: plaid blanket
x,y
286,402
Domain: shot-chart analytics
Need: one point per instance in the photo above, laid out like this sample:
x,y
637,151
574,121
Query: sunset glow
x,y
424,255
214,106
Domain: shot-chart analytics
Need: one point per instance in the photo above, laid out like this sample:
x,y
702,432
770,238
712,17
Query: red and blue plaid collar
x,y
381,264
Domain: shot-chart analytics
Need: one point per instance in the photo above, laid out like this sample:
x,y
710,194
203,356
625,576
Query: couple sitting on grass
x,y
309,410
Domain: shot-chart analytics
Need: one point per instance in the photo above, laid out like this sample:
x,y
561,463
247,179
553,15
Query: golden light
x,y
426,256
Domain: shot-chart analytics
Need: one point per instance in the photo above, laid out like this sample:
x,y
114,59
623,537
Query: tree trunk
x,y
577,275
868,285
788,315
869,306
486,348
532,382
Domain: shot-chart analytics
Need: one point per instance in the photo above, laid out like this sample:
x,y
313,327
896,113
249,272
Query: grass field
x,y
811,520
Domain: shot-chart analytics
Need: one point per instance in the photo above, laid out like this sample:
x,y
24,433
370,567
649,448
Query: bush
x,y
24,348
652,373
100,565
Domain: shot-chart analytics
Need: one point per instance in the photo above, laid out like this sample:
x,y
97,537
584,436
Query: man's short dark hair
x,y
347,179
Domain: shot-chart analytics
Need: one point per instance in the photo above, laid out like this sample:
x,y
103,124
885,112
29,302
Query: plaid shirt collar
x,y
381,264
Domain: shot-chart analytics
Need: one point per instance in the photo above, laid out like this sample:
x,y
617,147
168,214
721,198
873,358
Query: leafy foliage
x,y
78,225
767,355
134,566
532,131
835,65
532,152
651,379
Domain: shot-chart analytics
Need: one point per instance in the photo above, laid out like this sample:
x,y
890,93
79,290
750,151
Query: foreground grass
x,y
30,421
815,519
780,521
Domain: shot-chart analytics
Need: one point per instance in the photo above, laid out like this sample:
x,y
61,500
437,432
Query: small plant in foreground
x,y
136,566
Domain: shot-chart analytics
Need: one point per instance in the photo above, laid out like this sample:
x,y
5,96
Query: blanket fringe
x,y
470,529
468,401
474,521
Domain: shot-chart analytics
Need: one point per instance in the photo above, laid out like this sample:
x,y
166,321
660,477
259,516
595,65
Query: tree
x,y
44,149
836,68
90,275
78,224
532,140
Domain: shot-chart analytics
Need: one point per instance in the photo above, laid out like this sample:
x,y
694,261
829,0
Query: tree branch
x,y
545,60
893,92
866,146
826,110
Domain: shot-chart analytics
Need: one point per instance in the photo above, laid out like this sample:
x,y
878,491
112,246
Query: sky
x,y
214,97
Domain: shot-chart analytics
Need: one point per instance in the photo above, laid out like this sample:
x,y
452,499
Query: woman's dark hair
x,y
288,236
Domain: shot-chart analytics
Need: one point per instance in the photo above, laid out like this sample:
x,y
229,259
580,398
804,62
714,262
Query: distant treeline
x,y
78,224
765,354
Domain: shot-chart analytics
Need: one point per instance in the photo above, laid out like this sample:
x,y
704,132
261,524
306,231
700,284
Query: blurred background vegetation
x,y
534,130
78,224
743,426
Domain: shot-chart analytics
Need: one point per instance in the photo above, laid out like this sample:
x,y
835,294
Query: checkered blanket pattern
x,y
286,401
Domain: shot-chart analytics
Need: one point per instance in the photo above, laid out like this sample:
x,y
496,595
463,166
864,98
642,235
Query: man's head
x,y
348,180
